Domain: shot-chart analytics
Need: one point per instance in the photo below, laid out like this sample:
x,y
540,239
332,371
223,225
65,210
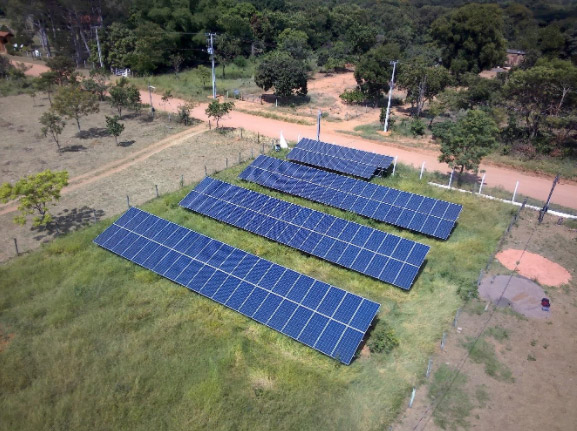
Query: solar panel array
x,y
369,251
326,318
358,163
407,210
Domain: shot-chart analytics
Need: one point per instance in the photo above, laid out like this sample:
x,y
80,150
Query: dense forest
x,y
441,46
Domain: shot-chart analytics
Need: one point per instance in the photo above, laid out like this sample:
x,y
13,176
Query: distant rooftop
x,y
516,51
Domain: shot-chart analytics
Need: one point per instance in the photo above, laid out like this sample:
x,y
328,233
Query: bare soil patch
x,y
535,267
538,353
521,294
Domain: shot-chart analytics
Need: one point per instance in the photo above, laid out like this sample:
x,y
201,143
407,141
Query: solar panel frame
x,y
305,229
374,201
350,161
261,290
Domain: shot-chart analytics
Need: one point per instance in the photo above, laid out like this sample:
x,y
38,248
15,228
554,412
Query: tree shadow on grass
x,y
73,148
286,101
126,143
68,221
93,132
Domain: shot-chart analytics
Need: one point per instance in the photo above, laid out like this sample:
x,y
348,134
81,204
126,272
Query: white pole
x,y
99,50
394,63
319,125
412,398
482,182
422,169
515,192
212,61
394,166
451,177
298,139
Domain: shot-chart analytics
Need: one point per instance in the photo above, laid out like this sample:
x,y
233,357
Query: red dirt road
x,y
537,187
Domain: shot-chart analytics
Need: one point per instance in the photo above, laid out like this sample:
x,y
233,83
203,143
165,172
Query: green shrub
x,y
352,96
383,338
417,127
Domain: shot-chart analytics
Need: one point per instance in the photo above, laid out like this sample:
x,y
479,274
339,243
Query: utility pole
x,y
98,46
394,63
211,52
546,206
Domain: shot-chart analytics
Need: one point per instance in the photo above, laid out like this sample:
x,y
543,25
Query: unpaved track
x,y
532,185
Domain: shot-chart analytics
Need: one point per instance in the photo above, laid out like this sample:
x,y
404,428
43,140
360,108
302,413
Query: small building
x,y
5,37
514,57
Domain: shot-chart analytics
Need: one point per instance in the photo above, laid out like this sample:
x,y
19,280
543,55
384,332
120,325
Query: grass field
x,y
190,85
91,341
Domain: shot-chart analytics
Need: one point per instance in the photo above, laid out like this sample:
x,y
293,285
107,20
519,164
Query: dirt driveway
x,y
496,176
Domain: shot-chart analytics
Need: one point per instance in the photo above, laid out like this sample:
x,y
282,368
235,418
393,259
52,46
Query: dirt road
x,y
532,185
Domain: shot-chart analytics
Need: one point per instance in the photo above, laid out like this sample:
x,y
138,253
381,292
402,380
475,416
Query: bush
x,y
417,127
352,96
383,338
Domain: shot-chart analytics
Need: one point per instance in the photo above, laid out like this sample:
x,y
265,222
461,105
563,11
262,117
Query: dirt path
x,y
496,176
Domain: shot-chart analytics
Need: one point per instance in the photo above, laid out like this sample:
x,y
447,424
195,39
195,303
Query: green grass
x,y
188,84
498,333
100,343
453,406
274,116
482,352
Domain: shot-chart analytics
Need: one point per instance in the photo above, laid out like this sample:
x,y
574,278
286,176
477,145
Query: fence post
x,y
205,171
156,187
482,182
412,397
451,177
394,166
181,180
128,201
429,366
239,159
252,153
422,169
241,133
515,192
456,318
443,341
16,246
262,147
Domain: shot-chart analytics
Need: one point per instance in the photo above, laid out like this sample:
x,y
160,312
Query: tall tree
x,y
471,38
373,73
422,82
124,95
280,71
33,194
465,142
73,102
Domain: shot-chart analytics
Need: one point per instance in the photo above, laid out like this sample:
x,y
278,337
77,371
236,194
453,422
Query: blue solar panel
x,y
359,163
407,210
291,303
322,235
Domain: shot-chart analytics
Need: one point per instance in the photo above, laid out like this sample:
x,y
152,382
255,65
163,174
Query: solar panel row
x,y
358,163
369,251
326,318
407,210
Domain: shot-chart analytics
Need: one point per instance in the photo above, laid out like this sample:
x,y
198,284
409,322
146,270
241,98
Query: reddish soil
x,y
537,187
534,267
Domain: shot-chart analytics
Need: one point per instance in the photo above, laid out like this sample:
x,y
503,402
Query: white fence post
x,y
515,192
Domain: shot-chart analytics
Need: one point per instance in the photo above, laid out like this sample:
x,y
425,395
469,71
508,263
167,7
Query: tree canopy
x,y
279,70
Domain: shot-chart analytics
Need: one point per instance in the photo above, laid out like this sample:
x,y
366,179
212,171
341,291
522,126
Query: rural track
x,y
530,184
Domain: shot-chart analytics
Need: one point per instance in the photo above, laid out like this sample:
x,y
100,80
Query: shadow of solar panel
x,y
294,304
403,209
322,235
350,161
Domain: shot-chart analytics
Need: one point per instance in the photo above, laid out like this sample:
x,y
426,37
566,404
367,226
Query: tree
x,y
227,49
97,83
548,89
124,95
63,67
73,102
204,73
53,124
422,82
46,83
114,127
33,194
279,70
183,114
373,72
471,38
295,43
465,142
218,110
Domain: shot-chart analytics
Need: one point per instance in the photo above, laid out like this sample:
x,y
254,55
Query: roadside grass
x,y
98,342
189,85
274,116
